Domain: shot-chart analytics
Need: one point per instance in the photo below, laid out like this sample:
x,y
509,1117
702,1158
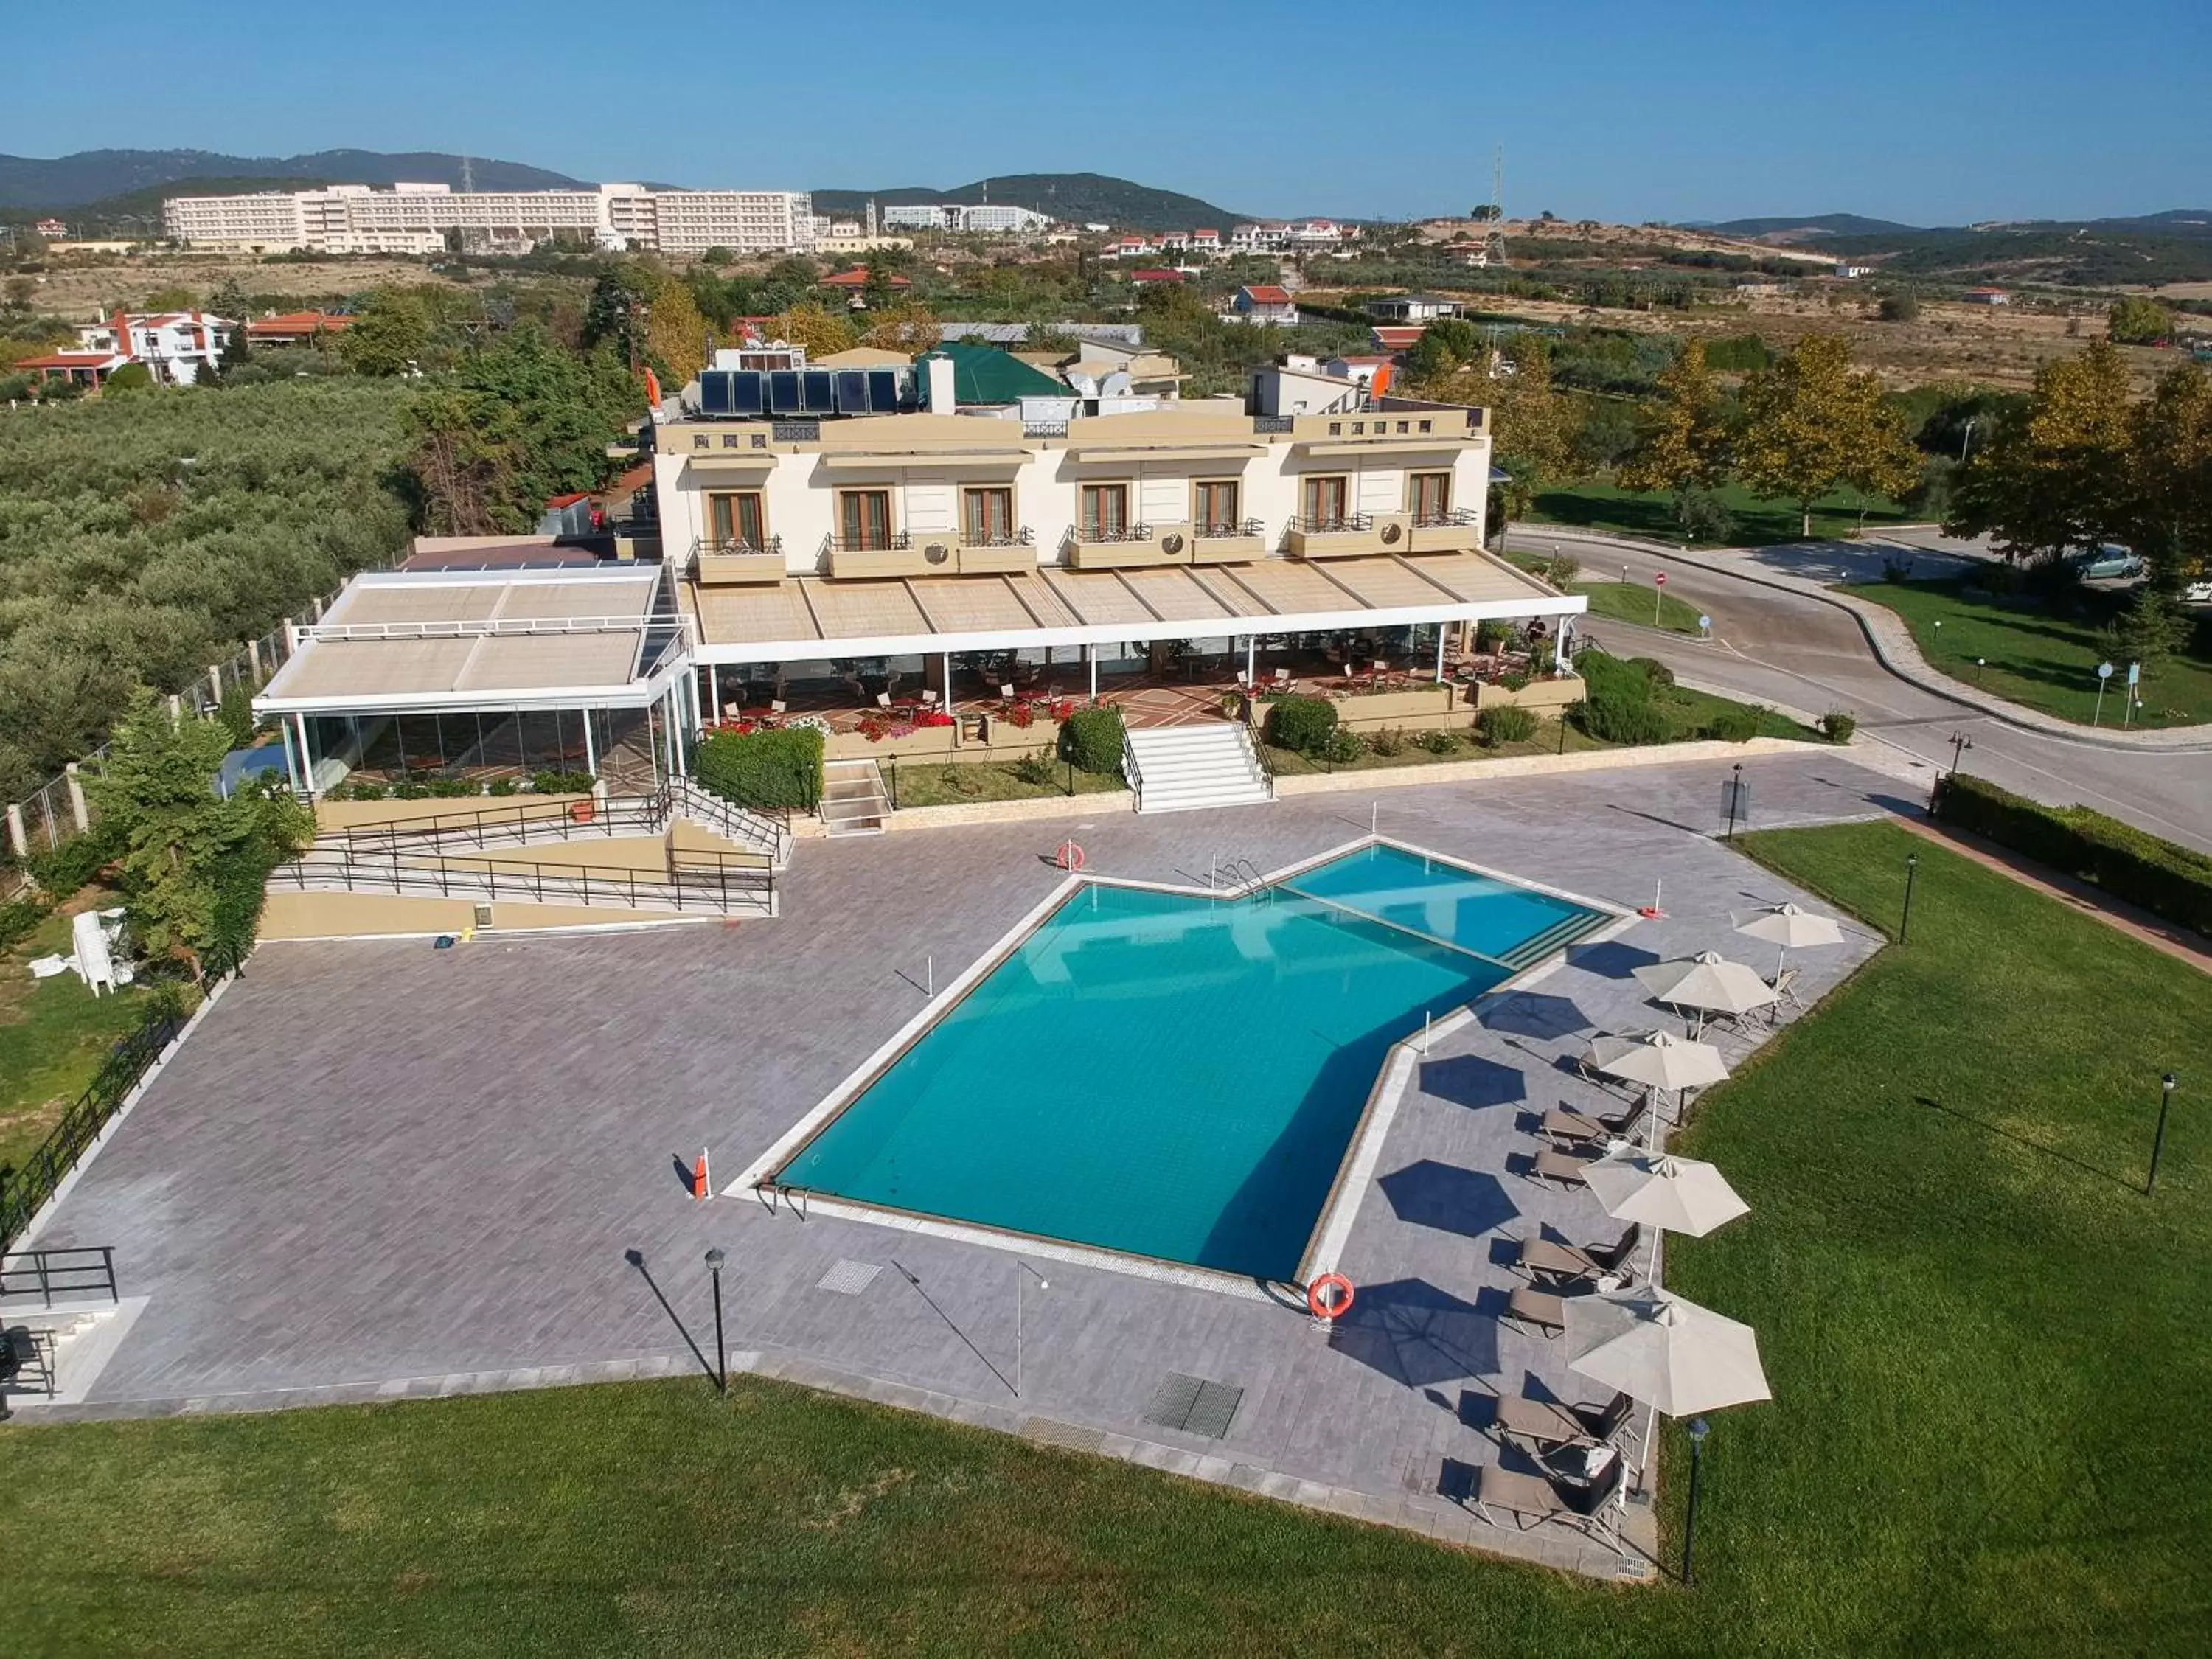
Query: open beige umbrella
x,y
1659,1060
1682,1194
1707,982
1673,1355
1788,927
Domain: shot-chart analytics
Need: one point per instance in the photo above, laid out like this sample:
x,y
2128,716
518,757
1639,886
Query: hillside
x,y
1783,227
1077,197
95,175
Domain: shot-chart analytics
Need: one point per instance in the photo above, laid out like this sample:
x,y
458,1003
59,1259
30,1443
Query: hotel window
x,y
1431,493
1216,501
1105,510
1322,502
863,519
738,517
986,517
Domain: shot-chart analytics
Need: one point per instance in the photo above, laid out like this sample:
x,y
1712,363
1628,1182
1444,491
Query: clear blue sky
x,y
1931,113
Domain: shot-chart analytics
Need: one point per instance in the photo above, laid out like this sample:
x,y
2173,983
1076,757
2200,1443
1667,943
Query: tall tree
x,y
2055,475
2170,476
908,327
819,330
158,785
675,334
390,335
1813,424
1684,444
2134,320
1533,426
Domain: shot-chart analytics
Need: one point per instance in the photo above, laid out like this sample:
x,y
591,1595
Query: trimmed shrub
x,y
1656,674
71,865
1091,737
779,769
562,783
1617,706
1341,747
1738,723
2165,879
1301,723
1505,723
1838,724
1438,742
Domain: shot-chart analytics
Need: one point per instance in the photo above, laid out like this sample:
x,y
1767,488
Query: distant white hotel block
x,y
411,218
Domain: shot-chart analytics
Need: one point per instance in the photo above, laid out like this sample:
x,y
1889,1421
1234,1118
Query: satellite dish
x,y
1117,384
1085,385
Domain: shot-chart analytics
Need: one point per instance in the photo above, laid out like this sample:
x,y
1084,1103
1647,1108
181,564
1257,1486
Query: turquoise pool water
x,y
1170,1076
1447,902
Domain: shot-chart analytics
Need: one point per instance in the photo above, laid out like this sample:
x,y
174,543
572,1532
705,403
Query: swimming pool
x,y
1174,1076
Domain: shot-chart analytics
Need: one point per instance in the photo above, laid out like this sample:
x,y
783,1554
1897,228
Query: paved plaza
x,y
377,1168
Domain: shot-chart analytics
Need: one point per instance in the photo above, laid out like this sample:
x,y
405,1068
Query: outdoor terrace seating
x,y
1534,1498
1543,1424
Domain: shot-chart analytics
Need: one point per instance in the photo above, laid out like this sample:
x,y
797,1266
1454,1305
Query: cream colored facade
x,y
924,464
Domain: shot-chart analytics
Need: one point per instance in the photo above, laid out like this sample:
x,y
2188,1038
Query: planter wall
x,y
353,814
943,742
1538,695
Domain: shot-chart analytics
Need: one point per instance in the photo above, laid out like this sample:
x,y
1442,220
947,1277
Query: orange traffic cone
x,y
699,1188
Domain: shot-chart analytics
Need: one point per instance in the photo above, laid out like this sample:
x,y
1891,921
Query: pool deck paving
x,y
378,1170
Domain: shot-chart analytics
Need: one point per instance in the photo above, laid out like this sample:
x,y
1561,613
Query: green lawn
x,y
2044,659
1758,524
1988,1351
940,783
54,1034
1628,602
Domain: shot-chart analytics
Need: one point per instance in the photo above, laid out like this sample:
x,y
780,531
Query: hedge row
x,y
1092,739
770,769
2164,879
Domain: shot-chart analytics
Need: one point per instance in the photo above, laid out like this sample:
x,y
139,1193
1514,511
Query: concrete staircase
x,y
1175,769
854,799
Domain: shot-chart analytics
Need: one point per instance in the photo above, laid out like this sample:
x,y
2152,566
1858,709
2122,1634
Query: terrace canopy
x,y
487,673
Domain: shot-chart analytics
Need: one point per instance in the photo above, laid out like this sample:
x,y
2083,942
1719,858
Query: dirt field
x,y
81,287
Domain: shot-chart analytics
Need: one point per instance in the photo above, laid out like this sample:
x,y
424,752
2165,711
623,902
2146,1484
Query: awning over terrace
x,y
811,618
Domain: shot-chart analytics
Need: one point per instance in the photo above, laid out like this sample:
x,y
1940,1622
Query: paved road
x,y
1794,650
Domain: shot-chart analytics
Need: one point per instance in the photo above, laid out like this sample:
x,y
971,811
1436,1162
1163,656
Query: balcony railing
x,y
1333,525
1451,518
885,544
1018,536
733,547
1096,535
1227,528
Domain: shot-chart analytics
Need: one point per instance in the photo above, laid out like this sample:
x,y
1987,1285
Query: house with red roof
x,y
173,345
1395,338
1156,273
1267,303
854,283
294,327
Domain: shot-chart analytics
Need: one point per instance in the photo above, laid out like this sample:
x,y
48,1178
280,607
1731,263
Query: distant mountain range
x,y
1783,228
1076,196
93,176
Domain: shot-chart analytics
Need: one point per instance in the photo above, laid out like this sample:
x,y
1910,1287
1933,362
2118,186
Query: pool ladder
x,y
1241,879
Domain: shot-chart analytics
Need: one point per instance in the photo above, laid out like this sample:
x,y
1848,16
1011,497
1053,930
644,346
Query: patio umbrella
x,y
1789,927
1709,984
1675,1356
1682,1194
1658,1059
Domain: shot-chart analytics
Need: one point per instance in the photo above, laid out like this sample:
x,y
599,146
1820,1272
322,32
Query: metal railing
x,y
891,542
70,1270
1019,536
23,1190
731,547
1227,528
1329,525
767,829
712,880
494,627
1451,518
1100,535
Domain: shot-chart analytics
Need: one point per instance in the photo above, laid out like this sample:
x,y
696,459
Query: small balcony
x,y
725,563
1122,548
1351,536
1456,527
1001,553
876,555
1233,542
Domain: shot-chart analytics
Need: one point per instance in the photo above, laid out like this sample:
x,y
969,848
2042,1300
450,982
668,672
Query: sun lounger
x,y
1540,1310
1556,1261
1562,1169
1568,1128
1546,1423
1533,1499
1786,991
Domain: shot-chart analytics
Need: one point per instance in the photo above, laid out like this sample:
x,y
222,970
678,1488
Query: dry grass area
x,y
89,285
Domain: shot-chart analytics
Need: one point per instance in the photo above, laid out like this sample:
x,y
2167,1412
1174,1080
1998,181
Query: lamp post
x,y
714,1260
1960,743
1021,1269
1911,869
2158,1142
1698,1429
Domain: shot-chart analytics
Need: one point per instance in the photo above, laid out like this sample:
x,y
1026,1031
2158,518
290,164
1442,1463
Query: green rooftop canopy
x,y
984,375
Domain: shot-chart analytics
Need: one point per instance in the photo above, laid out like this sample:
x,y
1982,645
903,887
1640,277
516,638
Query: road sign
x,y
1736,802
1660,580
2104,671
2135,673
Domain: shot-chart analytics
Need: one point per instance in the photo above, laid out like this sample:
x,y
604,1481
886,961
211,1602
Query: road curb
x,y
1900,656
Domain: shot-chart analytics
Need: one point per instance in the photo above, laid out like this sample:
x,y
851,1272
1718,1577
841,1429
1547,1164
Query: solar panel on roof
x,y
851,391
884,390
748,395
713,393
783,392
818,392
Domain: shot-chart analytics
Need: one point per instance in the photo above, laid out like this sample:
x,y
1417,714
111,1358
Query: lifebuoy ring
x,y
1070,856
1321,1306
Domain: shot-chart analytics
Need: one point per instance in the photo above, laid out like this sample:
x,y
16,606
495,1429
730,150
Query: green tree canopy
x,y
390,335
2055,475
1684,440
1812,424
2134,320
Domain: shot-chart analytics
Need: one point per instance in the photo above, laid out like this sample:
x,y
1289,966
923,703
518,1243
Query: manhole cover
x,y
1193,1404
848,1278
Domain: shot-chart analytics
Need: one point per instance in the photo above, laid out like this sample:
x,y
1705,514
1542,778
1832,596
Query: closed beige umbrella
x,y
1673,1355
1707,982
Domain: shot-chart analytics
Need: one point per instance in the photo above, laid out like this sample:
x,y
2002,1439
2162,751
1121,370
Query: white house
x,y
172,344
1849,272
1412,307
1265,303
1988,296
1300,385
